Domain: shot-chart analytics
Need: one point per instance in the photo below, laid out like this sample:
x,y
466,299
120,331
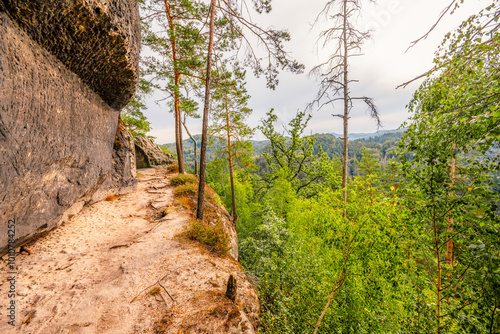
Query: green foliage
x,y
132,114
211,234
229,114
166,150
295,156
445,154
296,262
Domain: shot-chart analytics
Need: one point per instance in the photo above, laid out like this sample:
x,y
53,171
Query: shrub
x,y
186,190
173,168
209,234
183,179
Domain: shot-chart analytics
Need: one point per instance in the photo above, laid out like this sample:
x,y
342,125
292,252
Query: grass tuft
x,y
186,190
181,179
173,168
211,235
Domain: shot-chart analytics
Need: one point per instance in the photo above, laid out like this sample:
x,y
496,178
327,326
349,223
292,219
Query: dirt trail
x,y
120,267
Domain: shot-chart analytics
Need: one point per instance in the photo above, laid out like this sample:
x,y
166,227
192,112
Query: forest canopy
x,y
398,233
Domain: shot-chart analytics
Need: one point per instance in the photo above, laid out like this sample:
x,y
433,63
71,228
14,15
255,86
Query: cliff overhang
x,y
98,40
66,68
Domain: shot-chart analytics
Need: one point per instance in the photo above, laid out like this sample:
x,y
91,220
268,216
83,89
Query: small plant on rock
x,y
210,234
186,190
183,179
173,168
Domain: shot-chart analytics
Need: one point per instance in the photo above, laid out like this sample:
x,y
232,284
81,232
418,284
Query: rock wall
x,y
148,154
99,40
66,68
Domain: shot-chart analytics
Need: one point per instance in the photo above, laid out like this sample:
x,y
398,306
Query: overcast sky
x,y
384,65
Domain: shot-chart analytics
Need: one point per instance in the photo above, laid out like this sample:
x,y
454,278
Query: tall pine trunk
x,y
230,157
177,75
206,107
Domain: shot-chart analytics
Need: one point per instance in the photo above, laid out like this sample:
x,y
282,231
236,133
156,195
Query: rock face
x,y
98,40
124,171
148,154
66,67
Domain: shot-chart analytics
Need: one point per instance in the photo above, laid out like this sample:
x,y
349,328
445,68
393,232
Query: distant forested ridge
x,y
380,144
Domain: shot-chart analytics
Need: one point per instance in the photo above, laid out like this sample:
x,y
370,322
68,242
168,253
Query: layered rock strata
x,y
66,68
148,154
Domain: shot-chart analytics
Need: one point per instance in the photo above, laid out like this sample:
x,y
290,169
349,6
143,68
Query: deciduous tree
x,y
454,128
294,155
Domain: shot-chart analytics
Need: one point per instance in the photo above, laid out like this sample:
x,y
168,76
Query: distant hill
x,y
354,136
379,143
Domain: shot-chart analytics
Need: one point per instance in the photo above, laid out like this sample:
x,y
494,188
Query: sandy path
x,y
93,274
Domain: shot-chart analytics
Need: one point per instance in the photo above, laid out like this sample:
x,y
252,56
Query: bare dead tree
x,y
334,72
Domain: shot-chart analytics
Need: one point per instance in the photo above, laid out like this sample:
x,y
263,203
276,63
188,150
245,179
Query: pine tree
x,y
229,113
235,40
178,47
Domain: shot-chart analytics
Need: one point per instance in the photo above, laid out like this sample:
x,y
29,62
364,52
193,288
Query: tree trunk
x,y
438,270
449,244
346,110
203,153
195,143
177,75
230,156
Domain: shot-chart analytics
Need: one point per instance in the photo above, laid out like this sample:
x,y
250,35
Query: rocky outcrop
x,y
98,40
121,266
66,67
124,171
148,154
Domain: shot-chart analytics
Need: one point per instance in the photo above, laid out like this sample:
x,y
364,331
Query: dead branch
x,y
443,13
404,85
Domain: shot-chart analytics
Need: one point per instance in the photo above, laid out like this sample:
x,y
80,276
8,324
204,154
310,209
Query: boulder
x,y
66,68
148,154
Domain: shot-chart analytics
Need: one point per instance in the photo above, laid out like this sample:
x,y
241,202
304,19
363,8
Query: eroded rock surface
x,y
120,266
66,67
148,154
99,40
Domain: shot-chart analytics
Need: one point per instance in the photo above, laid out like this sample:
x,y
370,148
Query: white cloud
x,y
384,65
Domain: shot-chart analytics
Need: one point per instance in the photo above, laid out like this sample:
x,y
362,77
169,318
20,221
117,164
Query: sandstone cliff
x,y
66,68
125,265
148,154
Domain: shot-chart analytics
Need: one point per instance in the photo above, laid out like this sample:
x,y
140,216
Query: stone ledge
x,y
99,40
